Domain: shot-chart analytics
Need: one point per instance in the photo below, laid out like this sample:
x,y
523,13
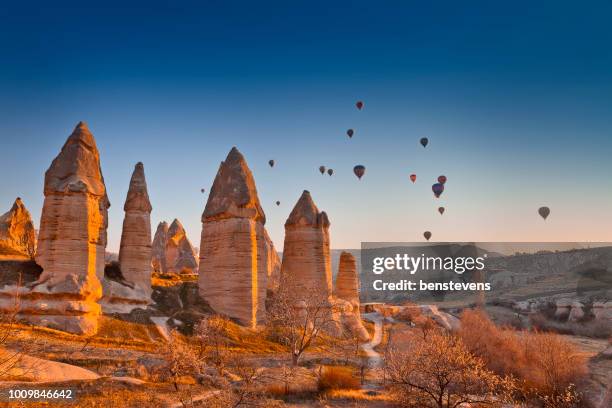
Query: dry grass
x,y
545,362
337,378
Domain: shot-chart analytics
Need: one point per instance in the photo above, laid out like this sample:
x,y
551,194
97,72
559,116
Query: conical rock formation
x,y
135,251
306,265
235,252
172,251
72,239
347,281
17,233
306,254
346,291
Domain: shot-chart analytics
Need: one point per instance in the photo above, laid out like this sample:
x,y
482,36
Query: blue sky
x,y
516,99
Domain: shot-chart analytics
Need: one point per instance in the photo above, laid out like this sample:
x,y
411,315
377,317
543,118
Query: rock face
x,y
236,254
347,289
134,251
306,265
17,233
172,251
72,239
347,281
306,255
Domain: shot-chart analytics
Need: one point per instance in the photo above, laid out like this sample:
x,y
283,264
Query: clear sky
x,y
515,98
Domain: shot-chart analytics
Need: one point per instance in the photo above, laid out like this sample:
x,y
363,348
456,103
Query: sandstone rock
x,y
306,264
576,312
134,252
180,255
306,256
158,248
562,308
72,239
602,311
347,280
17,233
236,255
172,251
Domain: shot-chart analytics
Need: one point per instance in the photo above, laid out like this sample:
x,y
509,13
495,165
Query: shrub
x,y
337,378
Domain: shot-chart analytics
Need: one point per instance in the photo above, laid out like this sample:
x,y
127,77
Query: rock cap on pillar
x,y
138,196
306,213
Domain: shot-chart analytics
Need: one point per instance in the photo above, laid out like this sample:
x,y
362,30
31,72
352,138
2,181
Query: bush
x,y
337,378
546,363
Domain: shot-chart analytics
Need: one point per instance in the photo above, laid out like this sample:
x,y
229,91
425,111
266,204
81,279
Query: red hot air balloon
x,y
359,171
350,133
437,189
359,105
442,179
322,169
427,235
441,210
544,212
413,178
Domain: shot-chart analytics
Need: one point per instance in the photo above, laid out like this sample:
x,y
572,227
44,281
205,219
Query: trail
x,y
375,360
162,326
199,398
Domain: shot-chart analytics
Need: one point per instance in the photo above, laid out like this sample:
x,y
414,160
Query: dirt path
x,y
375,360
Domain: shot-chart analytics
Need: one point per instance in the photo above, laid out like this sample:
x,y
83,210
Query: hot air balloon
x,y
359,171
437,189
424,141
441,210
350,132
544,212
322,169
271,163
427,235
413,177
442,179
278,203
359,105
202,190
330,171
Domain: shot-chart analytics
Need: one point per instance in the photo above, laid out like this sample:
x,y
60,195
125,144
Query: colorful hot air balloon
x,y
330,171
424,141
359,105
322,169
544,212
427,235
442,179
278,203
413,177
359,171
271,163
441,210
437,189
350,132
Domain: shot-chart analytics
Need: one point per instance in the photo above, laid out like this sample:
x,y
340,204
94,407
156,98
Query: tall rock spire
x,y
306,255
234,249
72,239
134,250
347,280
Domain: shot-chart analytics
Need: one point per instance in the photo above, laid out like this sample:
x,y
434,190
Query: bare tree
x,y
440,372
212,341
300,320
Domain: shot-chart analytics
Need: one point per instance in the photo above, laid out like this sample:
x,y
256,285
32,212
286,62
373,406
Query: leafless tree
x,y
440,372
212,341
300,320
